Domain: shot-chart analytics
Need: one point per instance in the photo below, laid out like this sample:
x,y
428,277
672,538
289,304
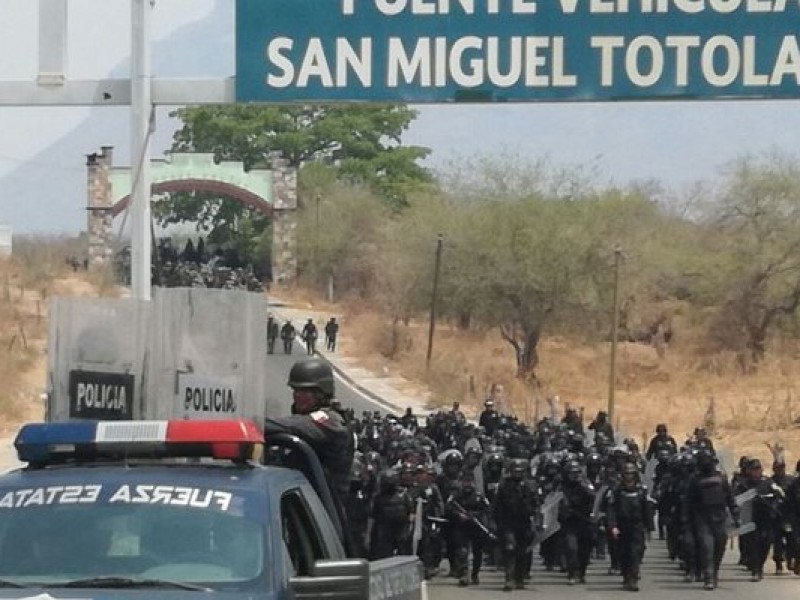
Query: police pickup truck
x,y
173,510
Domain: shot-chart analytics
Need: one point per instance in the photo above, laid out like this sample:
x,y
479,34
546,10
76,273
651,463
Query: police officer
x,y
392,516
272,334
514,509
287,336
574,514
452,462
661,441
709,500
489,417
309,336
630,516
767,513
782,536
429,501
602,425
314,421
357,508
331,333
793,514
467,510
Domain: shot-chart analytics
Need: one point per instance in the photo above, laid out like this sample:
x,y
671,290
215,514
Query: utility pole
x,y
614,327
437,265
316,233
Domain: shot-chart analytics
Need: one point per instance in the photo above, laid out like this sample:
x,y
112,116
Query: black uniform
x,y
467,510
272,334
631,512
709,499
659,443
574,514
357,508
331,332
514,509
326,432
489,420
782,541
287,335
392,514
601,425
793,515
768,515
309,336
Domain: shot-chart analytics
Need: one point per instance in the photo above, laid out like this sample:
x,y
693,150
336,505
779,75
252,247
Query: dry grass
x,y
748,410
23,332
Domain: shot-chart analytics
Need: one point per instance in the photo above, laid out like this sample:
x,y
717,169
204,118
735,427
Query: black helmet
x,y
705,460
389,481
312,373
630,468
517,468
594,460
453,457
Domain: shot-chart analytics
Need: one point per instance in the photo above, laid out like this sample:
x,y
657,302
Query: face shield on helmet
x,y
573,471
517,469
630,474
452,463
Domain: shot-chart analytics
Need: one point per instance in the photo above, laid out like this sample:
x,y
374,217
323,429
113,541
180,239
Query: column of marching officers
x,y
505,495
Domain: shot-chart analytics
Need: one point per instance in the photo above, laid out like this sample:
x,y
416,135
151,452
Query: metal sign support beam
x,y
141,130
140,92
52,42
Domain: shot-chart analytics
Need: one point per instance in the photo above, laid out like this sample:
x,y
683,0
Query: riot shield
x,y
549,511
598,502
650,474
747,525
417,535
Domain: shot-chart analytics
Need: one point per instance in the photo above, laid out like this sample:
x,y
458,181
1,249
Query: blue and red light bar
x,y
43,443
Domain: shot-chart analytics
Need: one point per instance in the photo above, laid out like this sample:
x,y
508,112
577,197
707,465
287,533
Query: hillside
x,y
749,411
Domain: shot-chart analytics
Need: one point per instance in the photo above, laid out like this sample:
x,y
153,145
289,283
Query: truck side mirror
x,y
334,580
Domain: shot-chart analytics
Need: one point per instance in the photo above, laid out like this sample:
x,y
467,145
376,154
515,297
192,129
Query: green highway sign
x,y
515,50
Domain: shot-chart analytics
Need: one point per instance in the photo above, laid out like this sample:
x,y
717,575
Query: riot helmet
x,y
452,463
754,469
313,373
630,474
389,481
705,462
517,469
573,471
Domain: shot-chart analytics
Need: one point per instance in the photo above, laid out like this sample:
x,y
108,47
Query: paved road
x,y
279,396
661,580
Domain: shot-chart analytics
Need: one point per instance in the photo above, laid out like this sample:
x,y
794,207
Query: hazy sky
x,y
676,143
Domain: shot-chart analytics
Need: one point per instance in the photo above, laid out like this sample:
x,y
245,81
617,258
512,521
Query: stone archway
x,y
272,192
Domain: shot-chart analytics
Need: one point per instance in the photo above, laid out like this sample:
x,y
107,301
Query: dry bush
x,y
649,390
102,282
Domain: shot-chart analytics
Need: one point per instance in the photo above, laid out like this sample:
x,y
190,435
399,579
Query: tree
x,y
522,263
362,142
758,211
339,237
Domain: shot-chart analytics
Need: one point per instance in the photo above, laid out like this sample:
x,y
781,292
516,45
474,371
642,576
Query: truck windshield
x,y
62,535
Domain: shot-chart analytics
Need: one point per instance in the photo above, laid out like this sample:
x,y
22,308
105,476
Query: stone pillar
x,y
99,204
284,221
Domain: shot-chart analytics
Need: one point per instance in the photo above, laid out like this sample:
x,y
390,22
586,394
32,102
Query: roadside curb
x,y
342,374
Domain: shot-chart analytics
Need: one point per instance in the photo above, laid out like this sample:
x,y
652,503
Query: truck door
x,y
306,537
